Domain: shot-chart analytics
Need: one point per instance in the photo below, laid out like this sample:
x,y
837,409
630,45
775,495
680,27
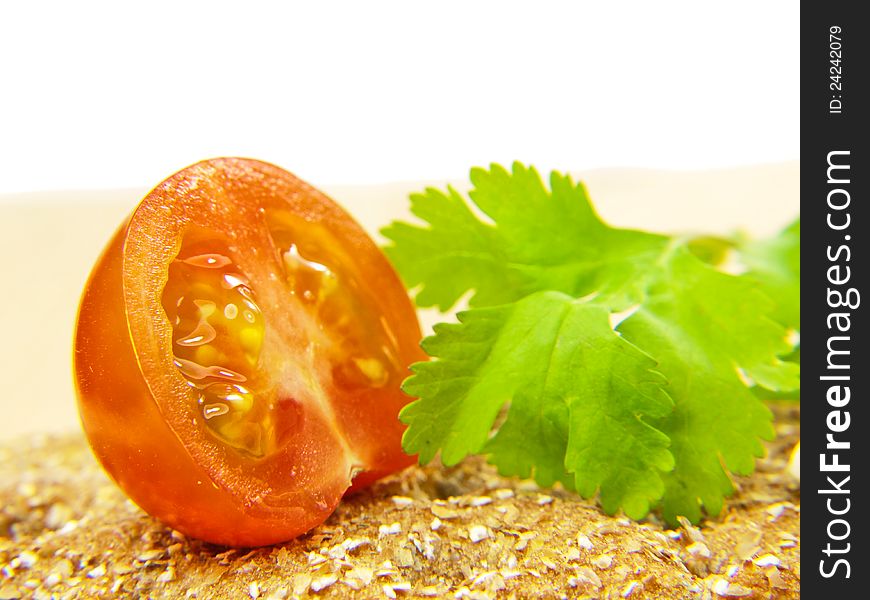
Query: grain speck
x,y
404,557
402,501
391,529
301,583
775,579
27,559
363,575
58,515
699,549
525,538
431,591
477,533
693,532
97,572
629,589
767,560
503,493
442,512
722,587
321,583
584,576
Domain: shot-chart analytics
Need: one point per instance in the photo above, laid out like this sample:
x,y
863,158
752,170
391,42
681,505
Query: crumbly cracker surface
x,y
66,531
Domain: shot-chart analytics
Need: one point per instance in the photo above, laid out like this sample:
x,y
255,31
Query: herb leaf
x,y
543,240
537,377
776,264
704,326
578,397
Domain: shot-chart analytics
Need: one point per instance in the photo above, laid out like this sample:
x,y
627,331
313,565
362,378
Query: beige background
x,y
50,240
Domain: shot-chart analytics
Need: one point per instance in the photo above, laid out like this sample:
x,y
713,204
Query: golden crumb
x,y
465,532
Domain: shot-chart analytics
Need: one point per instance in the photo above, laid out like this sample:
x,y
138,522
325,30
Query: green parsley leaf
x,y
579,395
537,377
544,240
706,328
775,263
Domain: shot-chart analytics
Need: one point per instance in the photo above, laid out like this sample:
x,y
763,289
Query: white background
x,y
116,96
120,94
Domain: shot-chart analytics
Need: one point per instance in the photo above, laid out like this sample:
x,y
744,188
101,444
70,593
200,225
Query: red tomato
x,y
239,351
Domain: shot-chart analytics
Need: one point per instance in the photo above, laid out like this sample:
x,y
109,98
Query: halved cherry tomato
x,y
239,351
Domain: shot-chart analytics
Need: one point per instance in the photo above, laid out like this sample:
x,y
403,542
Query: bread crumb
x,y
477,533
69,530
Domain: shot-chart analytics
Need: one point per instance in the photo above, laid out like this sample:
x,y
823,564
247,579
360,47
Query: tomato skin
x,y
132,400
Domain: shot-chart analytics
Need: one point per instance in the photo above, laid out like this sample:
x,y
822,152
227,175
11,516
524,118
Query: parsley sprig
x,y
654,409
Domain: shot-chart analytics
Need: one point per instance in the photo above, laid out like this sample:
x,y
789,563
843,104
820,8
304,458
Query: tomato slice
x,y
239,353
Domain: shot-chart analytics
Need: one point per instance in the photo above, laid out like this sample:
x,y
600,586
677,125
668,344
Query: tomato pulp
x,y
239,352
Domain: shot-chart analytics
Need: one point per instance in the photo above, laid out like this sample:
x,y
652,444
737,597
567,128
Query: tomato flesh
x,y
239,352
218,335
